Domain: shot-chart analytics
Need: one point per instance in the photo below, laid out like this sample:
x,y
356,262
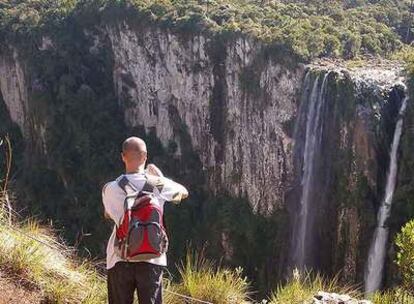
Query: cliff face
x,y
14,89
240,133
232,103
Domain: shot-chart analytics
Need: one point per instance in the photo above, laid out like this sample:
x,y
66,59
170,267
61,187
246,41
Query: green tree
x,y
352,44
405,254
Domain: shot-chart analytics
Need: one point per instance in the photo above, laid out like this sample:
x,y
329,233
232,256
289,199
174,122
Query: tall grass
x,y
202,279
33,255
303,286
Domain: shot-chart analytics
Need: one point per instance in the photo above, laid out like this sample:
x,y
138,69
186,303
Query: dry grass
x,y
201,279
33,254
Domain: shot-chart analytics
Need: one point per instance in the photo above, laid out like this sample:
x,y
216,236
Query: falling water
x,y
376,257
313,135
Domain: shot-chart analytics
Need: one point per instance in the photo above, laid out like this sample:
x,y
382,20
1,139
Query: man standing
x,y
145,276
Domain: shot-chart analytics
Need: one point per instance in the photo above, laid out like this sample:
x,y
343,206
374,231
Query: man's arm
x,y
106,215
168,189
154,170
111,196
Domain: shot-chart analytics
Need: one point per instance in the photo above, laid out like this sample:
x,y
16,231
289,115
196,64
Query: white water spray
x,y
377,252
312,143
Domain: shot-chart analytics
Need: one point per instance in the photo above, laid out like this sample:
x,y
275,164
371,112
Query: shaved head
x,y
134,144
134,153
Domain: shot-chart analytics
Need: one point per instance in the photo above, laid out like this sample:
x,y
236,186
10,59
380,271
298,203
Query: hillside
x,y
309,29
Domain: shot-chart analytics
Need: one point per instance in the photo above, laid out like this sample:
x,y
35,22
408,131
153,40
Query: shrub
x,y
405,254
397,295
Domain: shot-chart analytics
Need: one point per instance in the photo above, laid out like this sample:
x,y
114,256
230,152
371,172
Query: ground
x,y
13,292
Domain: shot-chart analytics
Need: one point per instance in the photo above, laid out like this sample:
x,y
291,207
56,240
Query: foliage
x,y
405,255
201,279
308,28
396,295
303,286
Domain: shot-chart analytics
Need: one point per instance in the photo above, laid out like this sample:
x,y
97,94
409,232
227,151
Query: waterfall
x,y
377,251
302,230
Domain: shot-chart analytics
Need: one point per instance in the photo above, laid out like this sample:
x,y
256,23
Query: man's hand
x,y
154,170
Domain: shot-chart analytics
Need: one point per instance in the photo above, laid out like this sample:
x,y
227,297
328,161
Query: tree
x,y
405,254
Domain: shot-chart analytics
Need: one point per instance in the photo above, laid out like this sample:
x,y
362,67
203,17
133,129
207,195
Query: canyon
x,y
230,117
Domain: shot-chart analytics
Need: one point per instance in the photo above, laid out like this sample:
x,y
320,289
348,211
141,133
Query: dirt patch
x,y
13,292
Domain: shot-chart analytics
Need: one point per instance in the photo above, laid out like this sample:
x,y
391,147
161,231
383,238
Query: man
x,y
144,276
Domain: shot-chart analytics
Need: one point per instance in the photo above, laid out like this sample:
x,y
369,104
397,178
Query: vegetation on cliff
x,y
405,255
309,29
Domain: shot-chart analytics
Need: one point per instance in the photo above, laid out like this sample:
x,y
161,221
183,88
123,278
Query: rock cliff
x,y
235,105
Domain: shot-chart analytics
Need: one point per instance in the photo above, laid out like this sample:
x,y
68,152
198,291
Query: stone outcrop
x,y
235,106
14,89
334,298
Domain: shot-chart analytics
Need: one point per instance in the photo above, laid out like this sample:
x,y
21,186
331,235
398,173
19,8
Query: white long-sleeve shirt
x,y
113,197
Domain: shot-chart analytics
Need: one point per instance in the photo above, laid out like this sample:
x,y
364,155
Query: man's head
x,y
134,153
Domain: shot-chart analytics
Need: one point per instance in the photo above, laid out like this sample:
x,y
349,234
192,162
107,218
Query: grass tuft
x,y
202,279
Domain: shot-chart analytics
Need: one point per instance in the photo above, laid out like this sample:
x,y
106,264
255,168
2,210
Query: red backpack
x,y
141,234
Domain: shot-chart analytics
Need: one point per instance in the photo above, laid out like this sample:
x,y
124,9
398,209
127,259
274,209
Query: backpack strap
x,y
148,187
129,188
126,185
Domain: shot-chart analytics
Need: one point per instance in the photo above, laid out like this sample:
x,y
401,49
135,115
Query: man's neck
x,y
134,170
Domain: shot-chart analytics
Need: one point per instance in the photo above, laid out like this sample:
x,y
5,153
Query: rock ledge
x,y
334,298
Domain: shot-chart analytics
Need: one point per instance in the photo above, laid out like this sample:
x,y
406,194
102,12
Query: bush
x,y
397,295
405,255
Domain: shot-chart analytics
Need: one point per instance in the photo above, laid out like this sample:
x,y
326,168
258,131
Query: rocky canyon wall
x,y
237,107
